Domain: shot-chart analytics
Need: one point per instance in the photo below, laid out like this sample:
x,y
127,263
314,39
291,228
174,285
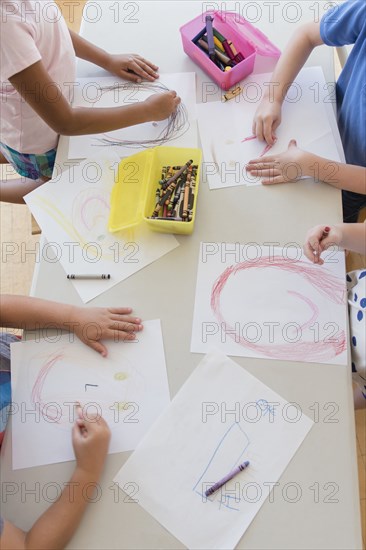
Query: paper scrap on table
x,y
306,117
73,212
195,443
129,388
90,94
271,302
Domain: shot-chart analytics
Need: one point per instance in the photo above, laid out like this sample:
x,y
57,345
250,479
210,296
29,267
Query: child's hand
x,y
90,439
132,67
266,120
161,106
319,239
287,166
92,325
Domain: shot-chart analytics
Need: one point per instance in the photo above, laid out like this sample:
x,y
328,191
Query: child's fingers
x,y
125,318
120,310
154,67
123,325
311,252
265,172
141,69
258,130
268,132
274,180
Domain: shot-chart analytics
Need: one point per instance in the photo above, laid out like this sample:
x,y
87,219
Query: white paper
x,y
129,388
306,117
254,301
73,213
88,94
196,443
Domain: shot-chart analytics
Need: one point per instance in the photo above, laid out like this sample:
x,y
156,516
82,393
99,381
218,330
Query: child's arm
x,y
295,163
33,83
129,66
350,236
300,46
91,325
57,525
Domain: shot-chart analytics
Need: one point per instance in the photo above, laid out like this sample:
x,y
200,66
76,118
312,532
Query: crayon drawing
x,y
179,130
222,455
230,149
73,213
112,389
221,417
271,307
129,388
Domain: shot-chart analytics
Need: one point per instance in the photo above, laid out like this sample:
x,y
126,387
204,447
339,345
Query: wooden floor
x,y
19,255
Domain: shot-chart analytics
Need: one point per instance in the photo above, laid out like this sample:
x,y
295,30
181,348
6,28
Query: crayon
x,y
227,478
218,44
219,36
232,93
237,55
88,276
210,37
178,173
166,218
186,193
222,57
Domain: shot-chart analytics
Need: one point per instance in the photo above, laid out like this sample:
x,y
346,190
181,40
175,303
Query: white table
x,y
322,477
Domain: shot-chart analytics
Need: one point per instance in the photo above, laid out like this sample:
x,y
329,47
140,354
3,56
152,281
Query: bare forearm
x,y
94,121
343,176
353,237
88,51
56,526
28,313
292,60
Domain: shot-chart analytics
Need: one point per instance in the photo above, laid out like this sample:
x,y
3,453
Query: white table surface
x,y
323,474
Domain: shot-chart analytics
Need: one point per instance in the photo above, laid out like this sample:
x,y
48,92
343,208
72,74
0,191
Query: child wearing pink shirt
x,y
37,73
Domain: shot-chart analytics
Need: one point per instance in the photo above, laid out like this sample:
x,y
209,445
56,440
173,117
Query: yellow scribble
x,y
120,405
120,376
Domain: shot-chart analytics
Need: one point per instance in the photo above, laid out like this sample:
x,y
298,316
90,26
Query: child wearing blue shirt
x,y
344,24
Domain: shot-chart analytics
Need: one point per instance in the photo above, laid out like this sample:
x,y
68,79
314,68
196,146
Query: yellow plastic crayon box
x,y
133,197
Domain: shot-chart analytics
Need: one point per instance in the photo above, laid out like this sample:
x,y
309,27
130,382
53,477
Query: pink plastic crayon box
x,y
247,40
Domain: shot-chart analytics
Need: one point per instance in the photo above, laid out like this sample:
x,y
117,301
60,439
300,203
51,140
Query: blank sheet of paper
x,y
272,302
306,116
129,388
195,443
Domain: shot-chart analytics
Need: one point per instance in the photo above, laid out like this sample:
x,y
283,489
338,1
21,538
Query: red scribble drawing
x,y
325,283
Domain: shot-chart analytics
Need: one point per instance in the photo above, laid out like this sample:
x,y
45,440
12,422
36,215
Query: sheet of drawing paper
x,y
129,388
73,212
254,301
92,94
194,444
306,117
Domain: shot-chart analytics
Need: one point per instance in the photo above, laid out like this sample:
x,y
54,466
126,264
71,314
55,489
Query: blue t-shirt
x,y
346,24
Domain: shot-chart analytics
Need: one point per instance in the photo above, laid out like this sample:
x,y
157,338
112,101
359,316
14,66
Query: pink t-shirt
x,y
32,31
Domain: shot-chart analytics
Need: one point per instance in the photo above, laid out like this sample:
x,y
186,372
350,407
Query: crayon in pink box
x,y
248,40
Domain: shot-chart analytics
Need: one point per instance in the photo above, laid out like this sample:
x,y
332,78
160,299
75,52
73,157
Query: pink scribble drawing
x,y
101,203
36,395
326,284
265,150
249,138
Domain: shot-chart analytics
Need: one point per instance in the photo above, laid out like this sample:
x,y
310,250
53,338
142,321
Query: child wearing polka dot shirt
x,y
352,237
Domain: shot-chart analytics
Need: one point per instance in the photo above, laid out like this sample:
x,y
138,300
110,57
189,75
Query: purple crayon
x,y
227,478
